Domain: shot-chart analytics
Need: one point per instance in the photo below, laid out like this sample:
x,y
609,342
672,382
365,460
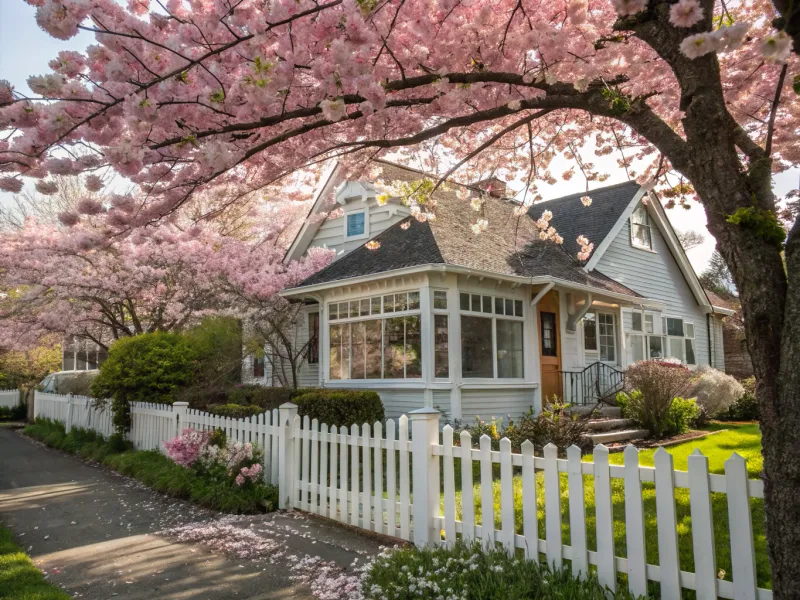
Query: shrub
x,y
553,425
745,408
235,411
341,407
676,419
658,382
267,398
715,392
147,368
13,413
479,429
473,572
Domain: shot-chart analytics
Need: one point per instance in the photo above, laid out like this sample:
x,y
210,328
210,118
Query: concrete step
x,y
610,424
613,412
620,435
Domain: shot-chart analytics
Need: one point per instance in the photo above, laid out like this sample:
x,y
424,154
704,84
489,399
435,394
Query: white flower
x,y
776,47
686,13
550,78
333,110
581,84
586,200
515,105
382,199
698,44
731,38
476,204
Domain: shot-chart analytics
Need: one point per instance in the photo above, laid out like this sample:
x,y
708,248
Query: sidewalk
x,y
99,535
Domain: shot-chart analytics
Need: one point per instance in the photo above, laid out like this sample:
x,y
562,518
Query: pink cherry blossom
x,y
686,13
47,188
11,184
698,44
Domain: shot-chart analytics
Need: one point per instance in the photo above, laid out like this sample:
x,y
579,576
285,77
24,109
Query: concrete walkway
x,y
99,535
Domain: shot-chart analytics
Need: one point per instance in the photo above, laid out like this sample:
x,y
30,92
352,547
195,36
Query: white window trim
x,y
647,223
362,236
381,316
493,317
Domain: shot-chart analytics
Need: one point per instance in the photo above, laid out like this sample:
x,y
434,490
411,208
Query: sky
x,y
25,50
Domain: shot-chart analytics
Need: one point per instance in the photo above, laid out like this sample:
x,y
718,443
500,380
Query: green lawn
x,y
19,577
744,439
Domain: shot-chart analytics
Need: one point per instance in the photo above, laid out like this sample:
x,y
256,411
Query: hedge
x,y
341,407
235,411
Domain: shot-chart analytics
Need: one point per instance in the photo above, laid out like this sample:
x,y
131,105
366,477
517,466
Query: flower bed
x,y
212,484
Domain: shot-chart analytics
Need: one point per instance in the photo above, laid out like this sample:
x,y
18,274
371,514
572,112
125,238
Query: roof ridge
x,y
579,194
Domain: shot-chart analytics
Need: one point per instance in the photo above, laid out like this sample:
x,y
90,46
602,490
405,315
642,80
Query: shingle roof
x,y
510,245
571,218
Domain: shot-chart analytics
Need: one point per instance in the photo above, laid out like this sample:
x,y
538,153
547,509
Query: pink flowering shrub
x,y
186,448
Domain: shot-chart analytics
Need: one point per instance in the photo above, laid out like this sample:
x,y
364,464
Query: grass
x,y
156,470
19,577
744,439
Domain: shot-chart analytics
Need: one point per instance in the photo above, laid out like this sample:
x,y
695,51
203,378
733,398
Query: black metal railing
x,y
596,383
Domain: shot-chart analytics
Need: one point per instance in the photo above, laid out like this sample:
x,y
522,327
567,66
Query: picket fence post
x,y
286,468
179,416
425,474
68,424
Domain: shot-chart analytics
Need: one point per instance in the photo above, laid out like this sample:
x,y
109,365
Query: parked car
x,y
68,382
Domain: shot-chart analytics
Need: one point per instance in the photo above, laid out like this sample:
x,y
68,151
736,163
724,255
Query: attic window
x,y
641,230
355,224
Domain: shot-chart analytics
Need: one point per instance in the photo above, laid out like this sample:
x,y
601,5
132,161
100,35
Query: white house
x,y
489,324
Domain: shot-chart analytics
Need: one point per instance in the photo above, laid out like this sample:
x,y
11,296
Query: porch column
x,y
454,345
426,333
324,343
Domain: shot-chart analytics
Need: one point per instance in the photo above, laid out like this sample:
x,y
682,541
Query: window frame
x,y
381,316
646,223
359,236
493,316
312,352
596,353
441,312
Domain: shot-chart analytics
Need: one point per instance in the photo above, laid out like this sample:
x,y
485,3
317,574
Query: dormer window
x,y
355,224
641,232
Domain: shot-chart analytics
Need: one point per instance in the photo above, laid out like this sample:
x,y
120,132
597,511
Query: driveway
x,y
99,535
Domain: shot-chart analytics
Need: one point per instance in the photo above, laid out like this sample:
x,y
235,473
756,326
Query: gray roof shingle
x,y
571,218
510,245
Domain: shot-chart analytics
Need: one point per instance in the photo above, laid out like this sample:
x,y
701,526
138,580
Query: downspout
x,y
710,342
573,319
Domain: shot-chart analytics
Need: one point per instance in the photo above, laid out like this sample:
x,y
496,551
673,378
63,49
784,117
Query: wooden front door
x,y
549,347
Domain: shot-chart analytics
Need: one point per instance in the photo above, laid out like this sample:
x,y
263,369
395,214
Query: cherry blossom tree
x,y
692,96
63,283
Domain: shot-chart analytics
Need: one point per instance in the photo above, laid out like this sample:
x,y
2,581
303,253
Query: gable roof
x,y
571,218
510,246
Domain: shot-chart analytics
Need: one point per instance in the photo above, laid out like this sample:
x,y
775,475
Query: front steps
x,y
607,425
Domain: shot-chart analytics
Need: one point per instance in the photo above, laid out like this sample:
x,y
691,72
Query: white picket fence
x,y
9,398
154,424
367,475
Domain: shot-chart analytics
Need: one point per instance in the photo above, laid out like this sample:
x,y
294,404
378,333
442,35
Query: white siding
x,y
656,275
441,401
400,402
331,232
495,403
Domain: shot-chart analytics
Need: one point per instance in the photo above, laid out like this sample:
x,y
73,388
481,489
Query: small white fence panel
x,y
9,398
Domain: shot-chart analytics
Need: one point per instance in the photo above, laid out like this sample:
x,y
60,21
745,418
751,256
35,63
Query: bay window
x,y
667,337
491,337
441,335
367,344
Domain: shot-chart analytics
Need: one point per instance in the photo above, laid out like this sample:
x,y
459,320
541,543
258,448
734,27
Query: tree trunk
x,y
772,326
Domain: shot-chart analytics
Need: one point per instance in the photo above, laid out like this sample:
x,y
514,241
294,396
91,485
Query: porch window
x,y
641,231
680,340
600,335
655,346
492,343
366,347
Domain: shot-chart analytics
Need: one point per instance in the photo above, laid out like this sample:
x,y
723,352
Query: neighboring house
x,y
737,358
79,354
488,324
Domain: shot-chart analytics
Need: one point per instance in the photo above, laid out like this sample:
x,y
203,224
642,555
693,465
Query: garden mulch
x,y
98,535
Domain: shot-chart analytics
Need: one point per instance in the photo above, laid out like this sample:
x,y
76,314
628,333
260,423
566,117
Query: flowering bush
x,y
211,455
186,448
715,391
